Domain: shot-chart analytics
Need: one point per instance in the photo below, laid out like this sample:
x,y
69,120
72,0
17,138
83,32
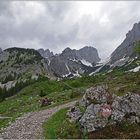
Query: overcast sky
x,y
57,25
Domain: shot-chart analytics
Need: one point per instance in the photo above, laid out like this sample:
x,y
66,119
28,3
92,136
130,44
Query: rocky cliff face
x,y
89,54
74,62
125,54
126,49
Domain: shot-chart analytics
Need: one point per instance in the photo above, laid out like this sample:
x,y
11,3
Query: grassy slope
x,y
27,99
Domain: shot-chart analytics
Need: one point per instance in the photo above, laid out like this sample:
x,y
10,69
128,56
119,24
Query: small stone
x,y
74,114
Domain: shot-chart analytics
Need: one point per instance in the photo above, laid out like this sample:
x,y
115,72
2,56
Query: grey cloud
x,y
60,26
58,9
122,18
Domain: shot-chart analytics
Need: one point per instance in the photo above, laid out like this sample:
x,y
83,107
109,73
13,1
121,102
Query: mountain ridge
x,y
126,48
21,63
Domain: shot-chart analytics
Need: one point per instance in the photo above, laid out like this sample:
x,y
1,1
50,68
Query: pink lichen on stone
x,y
106,111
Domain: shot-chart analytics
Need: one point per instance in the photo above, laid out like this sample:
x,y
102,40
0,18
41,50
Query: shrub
x,y
42,93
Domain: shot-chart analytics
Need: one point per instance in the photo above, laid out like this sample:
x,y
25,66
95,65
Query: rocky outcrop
x,y
103,109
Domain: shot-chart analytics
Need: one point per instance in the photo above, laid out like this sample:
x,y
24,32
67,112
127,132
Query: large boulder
x,y
100,112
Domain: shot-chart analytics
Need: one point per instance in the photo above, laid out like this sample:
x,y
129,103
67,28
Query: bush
x,y
42,93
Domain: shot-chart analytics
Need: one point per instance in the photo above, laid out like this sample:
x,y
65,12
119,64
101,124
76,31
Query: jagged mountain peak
x,y
66,50
41,49
48,53
73,62
68,53
89,53
134,34
69,62
45,53
126,48
125,53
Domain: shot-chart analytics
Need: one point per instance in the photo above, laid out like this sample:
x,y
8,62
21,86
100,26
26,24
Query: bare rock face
x,y
88,53
71,62
126,48
103,110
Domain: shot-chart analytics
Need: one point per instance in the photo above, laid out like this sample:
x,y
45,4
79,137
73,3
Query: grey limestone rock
x,y
74,114
100,113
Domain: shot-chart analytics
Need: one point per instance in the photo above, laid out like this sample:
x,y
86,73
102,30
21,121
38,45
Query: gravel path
x,y
29,126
